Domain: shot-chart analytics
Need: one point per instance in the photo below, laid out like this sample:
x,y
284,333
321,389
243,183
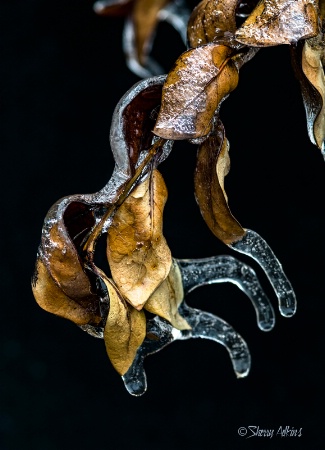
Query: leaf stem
x,y
89,246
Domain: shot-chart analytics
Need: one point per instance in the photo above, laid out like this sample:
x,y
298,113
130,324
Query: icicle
x,y
220,269
254,246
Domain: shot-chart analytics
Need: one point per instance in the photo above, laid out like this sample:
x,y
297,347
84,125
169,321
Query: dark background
x,y
62,73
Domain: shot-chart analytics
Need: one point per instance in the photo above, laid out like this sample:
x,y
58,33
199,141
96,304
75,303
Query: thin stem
x,y
89,246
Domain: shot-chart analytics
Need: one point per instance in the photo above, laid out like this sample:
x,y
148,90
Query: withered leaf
x,y
137,251
138,122
60,276
51,298
145,18
201,79
210,19
212,166
313,58
166,299
275,22
124,331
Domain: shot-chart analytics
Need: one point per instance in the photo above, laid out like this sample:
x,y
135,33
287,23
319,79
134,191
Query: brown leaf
x,y
139,121
60,275
312,65
210,19
212,166
124,331
275,22
145,19
201,79
308,63
51,298
137,251
166,299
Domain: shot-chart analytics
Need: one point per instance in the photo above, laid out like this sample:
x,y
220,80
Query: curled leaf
x,y
210,19
308,60
166,299
212,166
201,79
60,282
137,251
124,331
275,22
51,298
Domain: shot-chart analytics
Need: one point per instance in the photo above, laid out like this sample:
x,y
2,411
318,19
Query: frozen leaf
x,y
275,22
137,251
60,276
213,165
308,60
139,121
124,331
145,19
166,299
51,298
194,89
210,19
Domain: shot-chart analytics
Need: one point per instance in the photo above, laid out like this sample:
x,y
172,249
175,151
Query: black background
x,y
62,73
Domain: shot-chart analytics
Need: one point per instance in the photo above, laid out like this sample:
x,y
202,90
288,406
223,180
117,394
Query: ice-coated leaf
x,y
201,79
313,58
124,331
60,275
145,19
275,22
166,299
139,121
137,252
210,19
51,298
212,166
308,60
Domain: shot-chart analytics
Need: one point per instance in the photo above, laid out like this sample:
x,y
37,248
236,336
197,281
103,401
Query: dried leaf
x,y
201,79
308,62
51,298
60,275
137,251
212,166
312,65
145,19
139,122
124,331
166,299
113,8
210,19
275,22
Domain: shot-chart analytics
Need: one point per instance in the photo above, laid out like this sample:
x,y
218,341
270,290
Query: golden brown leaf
x,y
166,299
210,19
51,298
137,251
124,331
212,166
275,22
145,18
313,58
60,274
201,79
